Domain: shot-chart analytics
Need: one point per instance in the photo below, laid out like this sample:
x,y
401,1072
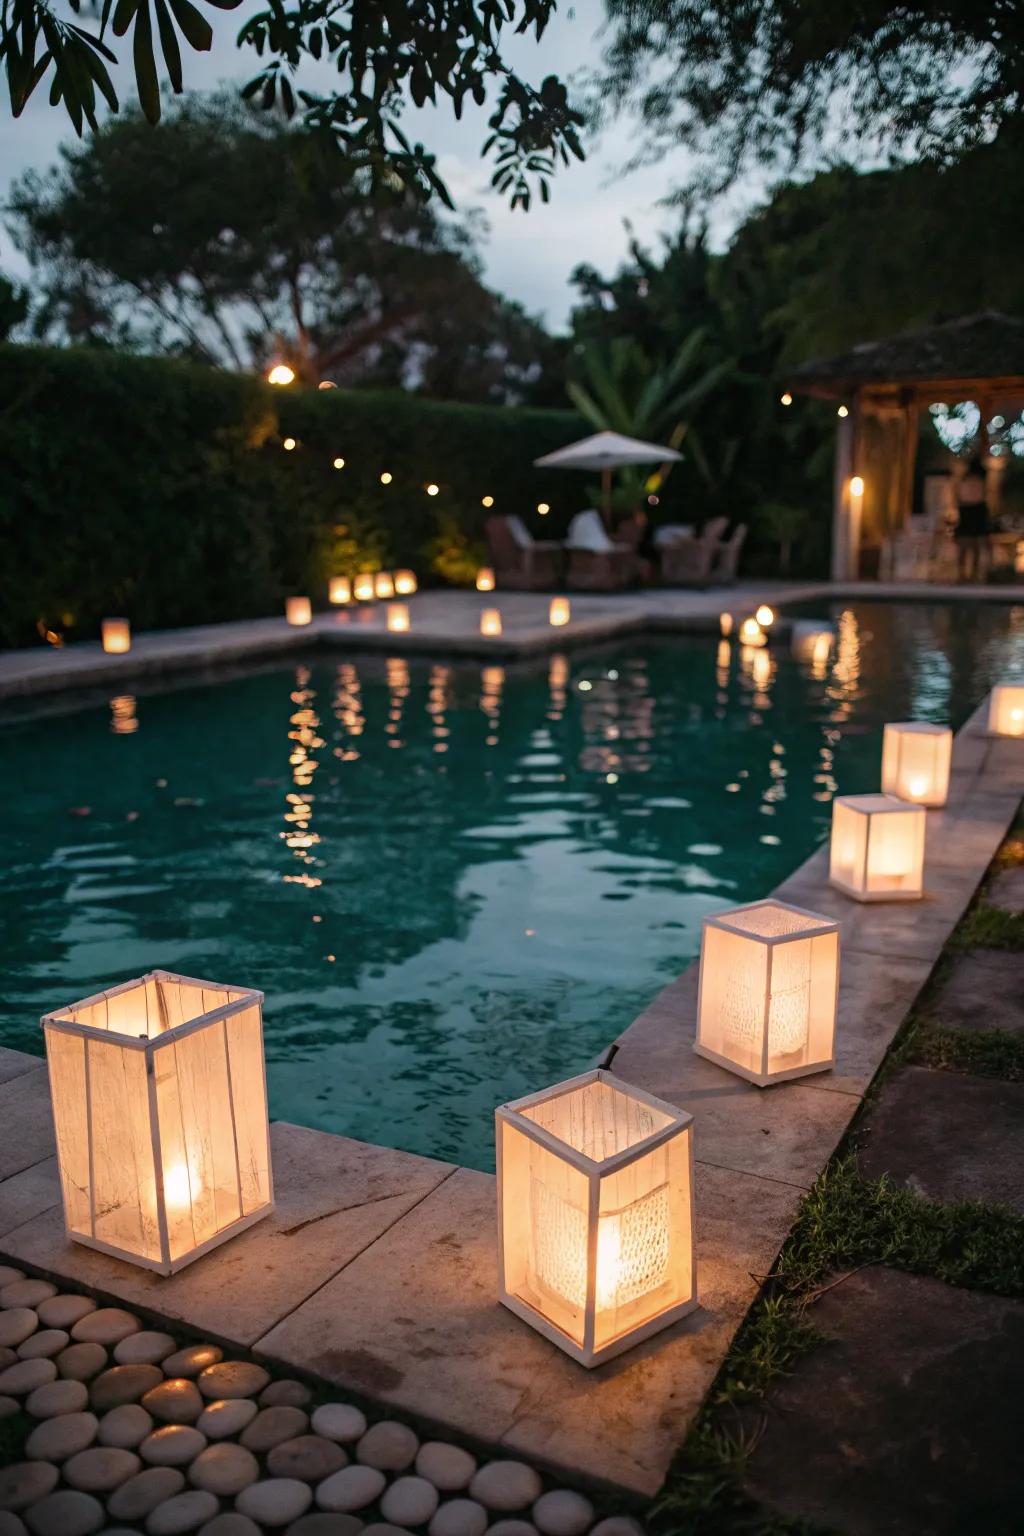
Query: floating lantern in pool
x,y
769,984
116,635
490,621
362,587
398,617
751,633
298,610
485,579
160,1110
915,762
765,616
559,612
877,848
811,643
405,583
339,589
725,622
383,584
1006,710
595,1214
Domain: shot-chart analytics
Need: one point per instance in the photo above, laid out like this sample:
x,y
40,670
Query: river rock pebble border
x,y
128,1433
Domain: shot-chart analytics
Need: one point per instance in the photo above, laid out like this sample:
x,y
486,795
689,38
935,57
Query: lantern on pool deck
x,y
298,610
383,585
915,762
559,612
485,579
339,590
405,583
752,634
160,1110
877,848
595,1214
116,635
1006,710
398,617
362,587
769,985
490,621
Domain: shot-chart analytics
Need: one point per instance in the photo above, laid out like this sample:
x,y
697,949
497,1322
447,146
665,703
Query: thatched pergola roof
x,y
982,352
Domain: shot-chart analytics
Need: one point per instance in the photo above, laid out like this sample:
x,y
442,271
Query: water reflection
x,y
123,719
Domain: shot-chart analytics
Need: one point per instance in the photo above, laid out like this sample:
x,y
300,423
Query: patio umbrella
x,y
607,451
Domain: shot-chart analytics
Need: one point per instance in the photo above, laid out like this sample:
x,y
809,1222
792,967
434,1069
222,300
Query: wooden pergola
x,y
880,388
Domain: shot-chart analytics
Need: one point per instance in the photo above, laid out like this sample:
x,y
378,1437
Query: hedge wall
x,y
162,490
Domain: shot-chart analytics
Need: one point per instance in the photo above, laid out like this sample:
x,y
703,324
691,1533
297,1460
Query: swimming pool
x,y
455,883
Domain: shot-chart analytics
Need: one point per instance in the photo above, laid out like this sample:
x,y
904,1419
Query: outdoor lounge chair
x,y
520,560
596,564
690,562
727,557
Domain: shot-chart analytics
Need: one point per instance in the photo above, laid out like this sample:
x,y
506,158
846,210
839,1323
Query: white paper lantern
x,y
363,588
490,621
398,617
383,585
339,589
1006,710
116,636
916,760
877,848
485,579
405,583
559,612
298,611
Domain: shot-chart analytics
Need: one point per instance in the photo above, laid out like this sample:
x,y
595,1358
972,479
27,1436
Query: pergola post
x,y
846,508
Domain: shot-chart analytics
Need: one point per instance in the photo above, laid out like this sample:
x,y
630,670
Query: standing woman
x,y
972,528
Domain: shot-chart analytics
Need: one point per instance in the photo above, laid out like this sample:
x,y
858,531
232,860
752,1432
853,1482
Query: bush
x,y
160,489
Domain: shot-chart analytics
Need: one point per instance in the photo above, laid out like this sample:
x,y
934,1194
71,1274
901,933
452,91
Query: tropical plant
x,y
783,525
453,553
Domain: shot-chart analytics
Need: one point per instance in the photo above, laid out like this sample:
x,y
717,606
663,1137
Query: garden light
x,y
298,610
485,579
559,611
877,848
405,583
916,761
490,621
116,636
1006,710
339,590
398,618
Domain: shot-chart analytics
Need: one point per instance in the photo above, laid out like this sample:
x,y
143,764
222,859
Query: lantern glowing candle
x,y
916,761
398,617
298,610
339,589
490,621
383,584
117,636
405,583
1006,710
751,633
160,1110
559,612
362,587
595,1214
485,579
769,984
877,848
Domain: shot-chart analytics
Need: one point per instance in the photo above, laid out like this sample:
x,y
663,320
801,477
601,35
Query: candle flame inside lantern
x,y
181,1186
485,579
751,633
398,617
340,589
363,587
383,585
405,583
559,612
298,610
117,636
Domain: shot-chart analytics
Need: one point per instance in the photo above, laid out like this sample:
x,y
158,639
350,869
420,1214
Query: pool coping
x,y
376,1272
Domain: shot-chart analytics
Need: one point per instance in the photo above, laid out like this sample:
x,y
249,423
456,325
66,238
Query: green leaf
x,y
195,28
145,65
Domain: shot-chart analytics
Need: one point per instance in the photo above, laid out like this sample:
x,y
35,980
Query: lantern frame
x,y
900,740
511,1117
62,1021
996,704
816,927
868,807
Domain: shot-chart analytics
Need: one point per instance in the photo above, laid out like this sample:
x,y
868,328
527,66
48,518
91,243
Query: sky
x,y
527,256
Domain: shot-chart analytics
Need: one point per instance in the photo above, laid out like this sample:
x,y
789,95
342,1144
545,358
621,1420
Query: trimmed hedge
x,y
161,489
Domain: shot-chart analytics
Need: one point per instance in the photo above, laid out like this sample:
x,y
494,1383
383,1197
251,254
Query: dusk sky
x,y
528,256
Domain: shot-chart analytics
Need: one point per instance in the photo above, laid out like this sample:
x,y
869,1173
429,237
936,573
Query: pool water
x,y
454,883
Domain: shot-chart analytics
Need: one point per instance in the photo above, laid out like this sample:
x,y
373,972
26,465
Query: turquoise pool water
x,y
455,883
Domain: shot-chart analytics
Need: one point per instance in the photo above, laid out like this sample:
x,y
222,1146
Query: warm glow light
x,y
298,610
281,374
405,583
327,384
811,643
751,633
432,489
842,411
362,587
339,463
386,478
877,848
339,589
398,618
559,611
543,508
181,1187
916,761
490,621
787,398
116,635
383,584
485,579
765,616
856,485
1006,710
487,501
725,623
288,444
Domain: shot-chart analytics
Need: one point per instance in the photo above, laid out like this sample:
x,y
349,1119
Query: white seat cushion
x,y
586,531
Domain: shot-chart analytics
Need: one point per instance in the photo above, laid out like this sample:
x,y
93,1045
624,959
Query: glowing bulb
x,y
856,485
842,411
281,374
543,508
609,1260
487,501
765,616
485,579
338,463
181,1187
288,444
787,398
385,478
432,489
918,787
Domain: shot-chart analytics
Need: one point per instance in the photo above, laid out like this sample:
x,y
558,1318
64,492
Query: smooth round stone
x,y
81,1362
388,1446
506,1485
459,1517
42,1345
25,1375
123,1384
11,1524
563,1513
8,1407
383,1528
64,1311
272,1426
107,1325
351,1488
57,1397
141,1494
618,1525
409,1501
192,1359
125,1426
101,1469
310,1458
285,1394
16,1325
57,1439
26,1293
232,1378
25,1482
339,1421
448,1467
8,1274
224,1469
184,1512
512,1528
278,1501
229,1417
145,1348
175,1401
66,1513
231,1523
173,1446
320,1523
7,1357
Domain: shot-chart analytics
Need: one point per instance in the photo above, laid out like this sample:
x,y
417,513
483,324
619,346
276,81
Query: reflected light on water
x,y
123,719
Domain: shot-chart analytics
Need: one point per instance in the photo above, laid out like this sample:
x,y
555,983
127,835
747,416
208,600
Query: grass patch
x,y
704,1494
985,1052
986,927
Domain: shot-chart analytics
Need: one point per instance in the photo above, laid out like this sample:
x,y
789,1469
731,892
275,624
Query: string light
x,y
842,411
856,485
787,398
385,478
487,501
543,508
327,384
288,444
339,463
432,489
281,374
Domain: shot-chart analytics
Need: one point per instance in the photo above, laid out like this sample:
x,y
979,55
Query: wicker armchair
x,y
530,567
595,563
727,558
690,562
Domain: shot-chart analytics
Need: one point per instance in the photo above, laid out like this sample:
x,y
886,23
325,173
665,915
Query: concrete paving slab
x,y
1006,890
415,1323
906,1421
28,1194
14,1063
948,1136
26,1122
874,999
983,989
334,1197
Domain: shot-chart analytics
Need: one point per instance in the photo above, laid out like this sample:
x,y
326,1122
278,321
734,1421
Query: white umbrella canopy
x,y
607,450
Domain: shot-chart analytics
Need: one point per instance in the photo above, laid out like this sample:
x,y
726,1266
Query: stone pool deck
x,y
377,1270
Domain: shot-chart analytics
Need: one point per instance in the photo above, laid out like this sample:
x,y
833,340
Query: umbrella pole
x,y
606,488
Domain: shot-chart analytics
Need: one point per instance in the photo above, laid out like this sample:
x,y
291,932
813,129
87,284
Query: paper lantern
x,y
1005,710
117,636
559,612
405,583
769,984
398,617
811,643
595,1214
490,621
383,585
298,610
751,633
915,762
160,1111
363,588
339,589
485,579
877,849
